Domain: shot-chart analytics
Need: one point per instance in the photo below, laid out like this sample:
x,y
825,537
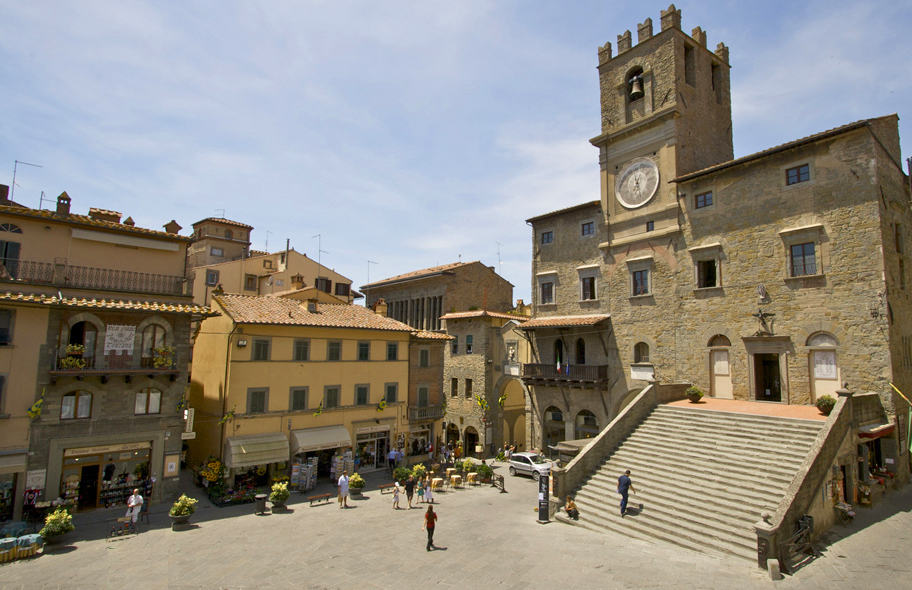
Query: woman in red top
x,y
430,519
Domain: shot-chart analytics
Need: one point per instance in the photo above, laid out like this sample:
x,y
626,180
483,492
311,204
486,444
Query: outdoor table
x,y
451,471
471,477
436,483
455,480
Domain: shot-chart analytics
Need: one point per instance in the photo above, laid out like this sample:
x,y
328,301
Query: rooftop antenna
x,y
42,199
320,249
267,240
369,263
15,166
223,213
499,261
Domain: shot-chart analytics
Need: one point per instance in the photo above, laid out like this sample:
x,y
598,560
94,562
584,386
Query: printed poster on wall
x,y
825,364
119,338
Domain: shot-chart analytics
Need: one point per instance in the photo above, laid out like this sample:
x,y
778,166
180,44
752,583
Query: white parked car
x,y
529,464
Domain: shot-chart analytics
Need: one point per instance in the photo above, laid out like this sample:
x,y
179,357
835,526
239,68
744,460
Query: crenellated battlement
x,y
670,18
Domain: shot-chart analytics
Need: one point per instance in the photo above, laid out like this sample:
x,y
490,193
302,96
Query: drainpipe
x,y
234,330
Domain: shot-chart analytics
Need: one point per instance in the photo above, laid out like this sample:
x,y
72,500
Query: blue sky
x,y
407,133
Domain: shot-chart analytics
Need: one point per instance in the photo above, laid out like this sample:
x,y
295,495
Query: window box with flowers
x,y
163,357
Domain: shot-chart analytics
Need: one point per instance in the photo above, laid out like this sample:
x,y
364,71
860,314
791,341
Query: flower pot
x,y
355,492
694,399
63,540
179,521
278,506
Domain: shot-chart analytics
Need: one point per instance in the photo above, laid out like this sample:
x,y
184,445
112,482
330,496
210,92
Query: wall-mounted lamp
x,y
242,342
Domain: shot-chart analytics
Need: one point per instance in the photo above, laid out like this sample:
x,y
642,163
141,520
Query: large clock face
x,y
637,183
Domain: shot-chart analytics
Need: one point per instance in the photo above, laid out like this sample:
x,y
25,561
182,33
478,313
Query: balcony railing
x,y
426,413
578,373
87,277
111,364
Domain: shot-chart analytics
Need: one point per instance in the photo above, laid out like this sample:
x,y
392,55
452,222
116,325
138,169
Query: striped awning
x,y
256,449
316,439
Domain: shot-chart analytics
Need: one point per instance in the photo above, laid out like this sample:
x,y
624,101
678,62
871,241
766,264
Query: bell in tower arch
x,y
635,86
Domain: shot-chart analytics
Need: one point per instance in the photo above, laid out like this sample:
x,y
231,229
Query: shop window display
x,y
105,480
7,491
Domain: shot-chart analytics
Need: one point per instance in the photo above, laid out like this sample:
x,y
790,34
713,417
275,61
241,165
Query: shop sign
x,y
380,428
171,464
104,449
34,480
188,435
119,338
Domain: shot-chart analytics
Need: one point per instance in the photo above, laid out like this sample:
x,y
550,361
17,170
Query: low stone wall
x,y
566,480
774,530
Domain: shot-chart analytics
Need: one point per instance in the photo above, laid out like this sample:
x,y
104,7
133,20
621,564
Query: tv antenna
x,y
223,213
15,167
499,261
369,263
267,241
320,249
42,199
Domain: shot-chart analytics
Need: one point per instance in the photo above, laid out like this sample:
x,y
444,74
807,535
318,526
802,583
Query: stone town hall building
x,y
776,276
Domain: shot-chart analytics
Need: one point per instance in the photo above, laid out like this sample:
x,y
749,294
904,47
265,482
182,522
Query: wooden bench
x,y
386,486
319,498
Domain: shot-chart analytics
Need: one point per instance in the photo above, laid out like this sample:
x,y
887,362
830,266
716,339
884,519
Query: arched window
x,y
822,340
147,401
719,340
580,351
85,334
15,229
641,352
635,84
824,365
153,336
76,405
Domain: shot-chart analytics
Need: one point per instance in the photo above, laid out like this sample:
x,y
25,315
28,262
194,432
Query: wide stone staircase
x,y
703,478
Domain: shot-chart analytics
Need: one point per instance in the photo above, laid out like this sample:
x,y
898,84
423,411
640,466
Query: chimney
x,y
104,215
312,305
63,204
297,281
129,221
172,227
380,307
4,194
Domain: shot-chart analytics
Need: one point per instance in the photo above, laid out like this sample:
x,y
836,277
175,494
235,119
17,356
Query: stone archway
x,y
470,439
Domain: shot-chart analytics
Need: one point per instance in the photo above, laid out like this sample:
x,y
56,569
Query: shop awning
x,y
875,430
315,439
256,449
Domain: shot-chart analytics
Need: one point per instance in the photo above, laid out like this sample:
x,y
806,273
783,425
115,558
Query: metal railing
x,y
565,373
426,412
113,362
87,277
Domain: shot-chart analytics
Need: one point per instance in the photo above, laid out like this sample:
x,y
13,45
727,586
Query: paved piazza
x,y
486,539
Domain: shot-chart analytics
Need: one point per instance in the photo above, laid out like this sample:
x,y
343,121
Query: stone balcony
x,y
111,365
426,413
86,277
579,375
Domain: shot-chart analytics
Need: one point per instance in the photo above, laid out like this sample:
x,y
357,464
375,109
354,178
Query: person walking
x,y
391,461
624,487
343,490
410,490
395,495
428,491
430,521
134,505
420,484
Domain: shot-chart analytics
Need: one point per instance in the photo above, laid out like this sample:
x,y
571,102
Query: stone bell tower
x,y
666,111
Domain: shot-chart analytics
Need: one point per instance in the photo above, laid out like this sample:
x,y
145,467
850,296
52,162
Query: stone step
x,y
701,415
686,440
732,430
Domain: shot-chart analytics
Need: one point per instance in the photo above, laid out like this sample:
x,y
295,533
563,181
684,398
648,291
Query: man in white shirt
x,y
134,505
343,490
391,459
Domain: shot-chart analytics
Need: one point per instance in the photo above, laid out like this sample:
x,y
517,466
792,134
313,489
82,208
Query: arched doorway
x,y
719,367
514,414
470,439
553,430
452,434
84,334
823,370
586,425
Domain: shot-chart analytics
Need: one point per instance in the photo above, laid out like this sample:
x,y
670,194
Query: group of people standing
x,y
423,487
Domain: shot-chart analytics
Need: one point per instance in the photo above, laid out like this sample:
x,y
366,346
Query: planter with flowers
x,y
56,526
356,485
279,496
181,510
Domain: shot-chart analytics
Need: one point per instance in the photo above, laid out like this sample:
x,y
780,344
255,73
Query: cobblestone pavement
x,y
484,538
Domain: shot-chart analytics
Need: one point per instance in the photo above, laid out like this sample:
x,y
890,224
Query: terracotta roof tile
x,y
109,304
85,220
566,321
425,335
459,315
245,309
416,274
225,221
565,210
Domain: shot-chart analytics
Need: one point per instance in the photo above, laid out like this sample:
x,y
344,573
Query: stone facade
x,y
774,277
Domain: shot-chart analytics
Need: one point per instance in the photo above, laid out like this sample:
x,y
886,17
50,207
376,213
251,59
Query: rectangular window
x,y
147,401
302,350
9,257
424,358
392,351
902,274
547,237
250,283
587,285
6,327
547,293
587,228
454,387
640,282
798,174
267,263
392,391
706,274
334,351
362,397
650,225
703,200
323,284
212,277
422,396
897,238
364,351
298,401
468,388
216,251
455,345
256,401
343,289
76,405
690,68
804,261
260,349
469,344
331,396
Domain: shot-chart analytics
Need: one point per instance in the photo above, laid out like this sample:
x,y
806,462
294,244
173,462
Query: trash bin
x,y
260,503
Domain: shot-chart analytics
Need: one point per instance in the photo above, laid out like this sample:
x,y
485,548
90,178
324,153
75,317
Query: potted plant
x,y
181,510
419,471
57,524
468,466
355,485
401,474
825,404
75,350
694,394
73,358
279,495
485,473
163,357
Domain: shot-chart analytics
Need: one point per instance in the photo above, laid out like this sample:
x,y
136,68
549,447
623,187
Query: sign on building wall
x,y
825,364
119,338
